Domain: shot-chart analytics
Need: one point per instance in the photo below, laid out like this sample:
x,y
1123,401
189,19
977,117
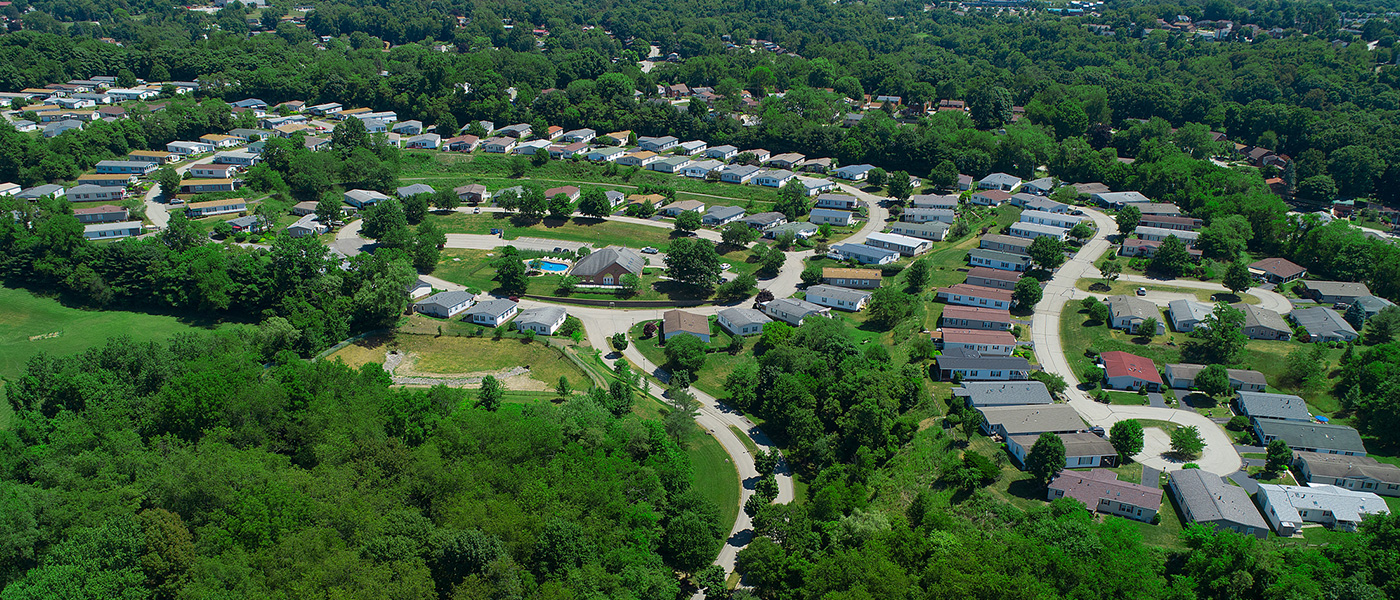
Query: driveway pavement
x,y
1268,299
1245,482
1219,455
159,212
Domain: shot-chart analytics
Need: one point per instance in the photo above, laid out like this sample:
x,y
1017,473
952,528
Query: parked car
x,y
649,250
1142,291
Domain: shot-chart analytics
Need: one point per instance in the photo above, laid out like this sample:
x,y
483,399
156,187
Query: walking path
x,y
1219,455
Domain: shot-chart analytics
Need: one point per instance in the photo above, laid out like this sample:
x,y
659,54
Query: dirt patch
x,y
401,367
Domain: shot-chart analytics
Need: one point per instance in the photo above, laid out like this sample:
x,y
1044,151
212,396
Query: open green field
x,y
31,324
451,169
577,229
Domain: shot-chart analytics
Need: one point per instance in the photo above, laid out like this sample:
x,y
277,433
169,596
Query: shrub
x,y
1238,423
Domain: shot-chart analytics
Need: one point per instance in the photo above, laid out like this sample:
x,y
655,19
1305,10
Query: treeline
x,y
1333,109
305,298
192,470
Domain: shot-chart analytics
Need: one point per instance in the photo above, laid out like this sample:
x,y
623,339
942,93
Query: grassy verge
x,y
1126,287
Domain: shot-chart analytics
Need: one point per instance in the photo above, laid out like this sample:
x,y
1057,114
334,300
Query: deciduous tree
x,y
1046,458
1127,438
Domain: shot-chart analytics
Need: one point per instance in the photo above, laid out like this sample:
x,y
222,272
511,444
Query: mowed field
x,y
31,324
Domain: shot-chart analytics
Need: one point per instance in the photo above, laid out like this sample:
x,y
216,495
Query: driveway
x,y
1219,455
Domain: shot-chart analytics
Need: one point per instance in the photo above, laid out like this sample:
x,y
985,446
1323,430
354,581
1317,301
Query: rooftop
x,y
1277,406
1312,435
1345,505
1121,364
1004,393
679,320
1017,420
1209,498
1095,484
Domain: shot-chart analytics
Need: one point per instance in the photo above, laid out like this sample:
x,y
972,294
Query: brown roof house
x,y
607,266
678,322
1102,492
1277,270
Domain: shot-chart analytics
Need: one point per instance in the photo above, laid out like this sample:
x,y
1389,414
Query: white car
x,y
649,250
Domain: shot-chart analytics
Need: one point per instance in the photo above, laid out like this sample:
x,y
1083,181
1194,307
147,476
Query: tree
x,y
510,274
1047,252
560,207
1187,442
888,306
899,185
1278,457
1356,316
792,200
944,174
1219,339
1171,258
918,274
328,209
1098,311
1384,327
688,221
563,389
415,208
384,221
1318,188
1111,271
685,353
693,261
812,274
532,203
990,107
490,394
875,177
169,182
1237,278
1054,383
1081,231
1027,293
1046,458
1214,380
1127,438
741,286
619,341
594,203
540,157
1128,219
348,136
1225,238
1148,327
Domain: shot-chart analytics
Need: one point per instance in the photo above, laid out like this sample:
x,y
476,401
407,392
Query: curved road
x,y
720,420
1219,456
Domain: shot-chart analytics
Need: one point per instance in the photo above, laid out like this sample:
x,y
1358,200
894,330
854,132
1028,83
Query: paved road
x,y
158,213
1219,455
716,417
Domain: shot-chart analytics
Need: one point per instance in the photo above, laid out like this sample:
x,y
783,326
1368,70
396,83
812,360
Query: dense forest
x,y
193,470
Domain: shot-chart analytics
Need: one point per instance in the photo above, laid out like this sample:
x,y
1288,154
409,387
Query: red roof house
x,y
1129,371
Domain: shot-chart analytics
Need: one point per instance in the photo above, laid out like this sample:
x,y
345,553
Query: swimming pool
x,y
550,266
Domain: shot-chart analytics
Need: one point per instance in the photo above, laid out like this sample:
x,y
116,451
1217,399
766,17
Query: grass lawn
x,y
1167,533
1126,398
718,364
715,475
1211,407
576,229
1130,288
32,324
1284,478
1322,536
453,356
